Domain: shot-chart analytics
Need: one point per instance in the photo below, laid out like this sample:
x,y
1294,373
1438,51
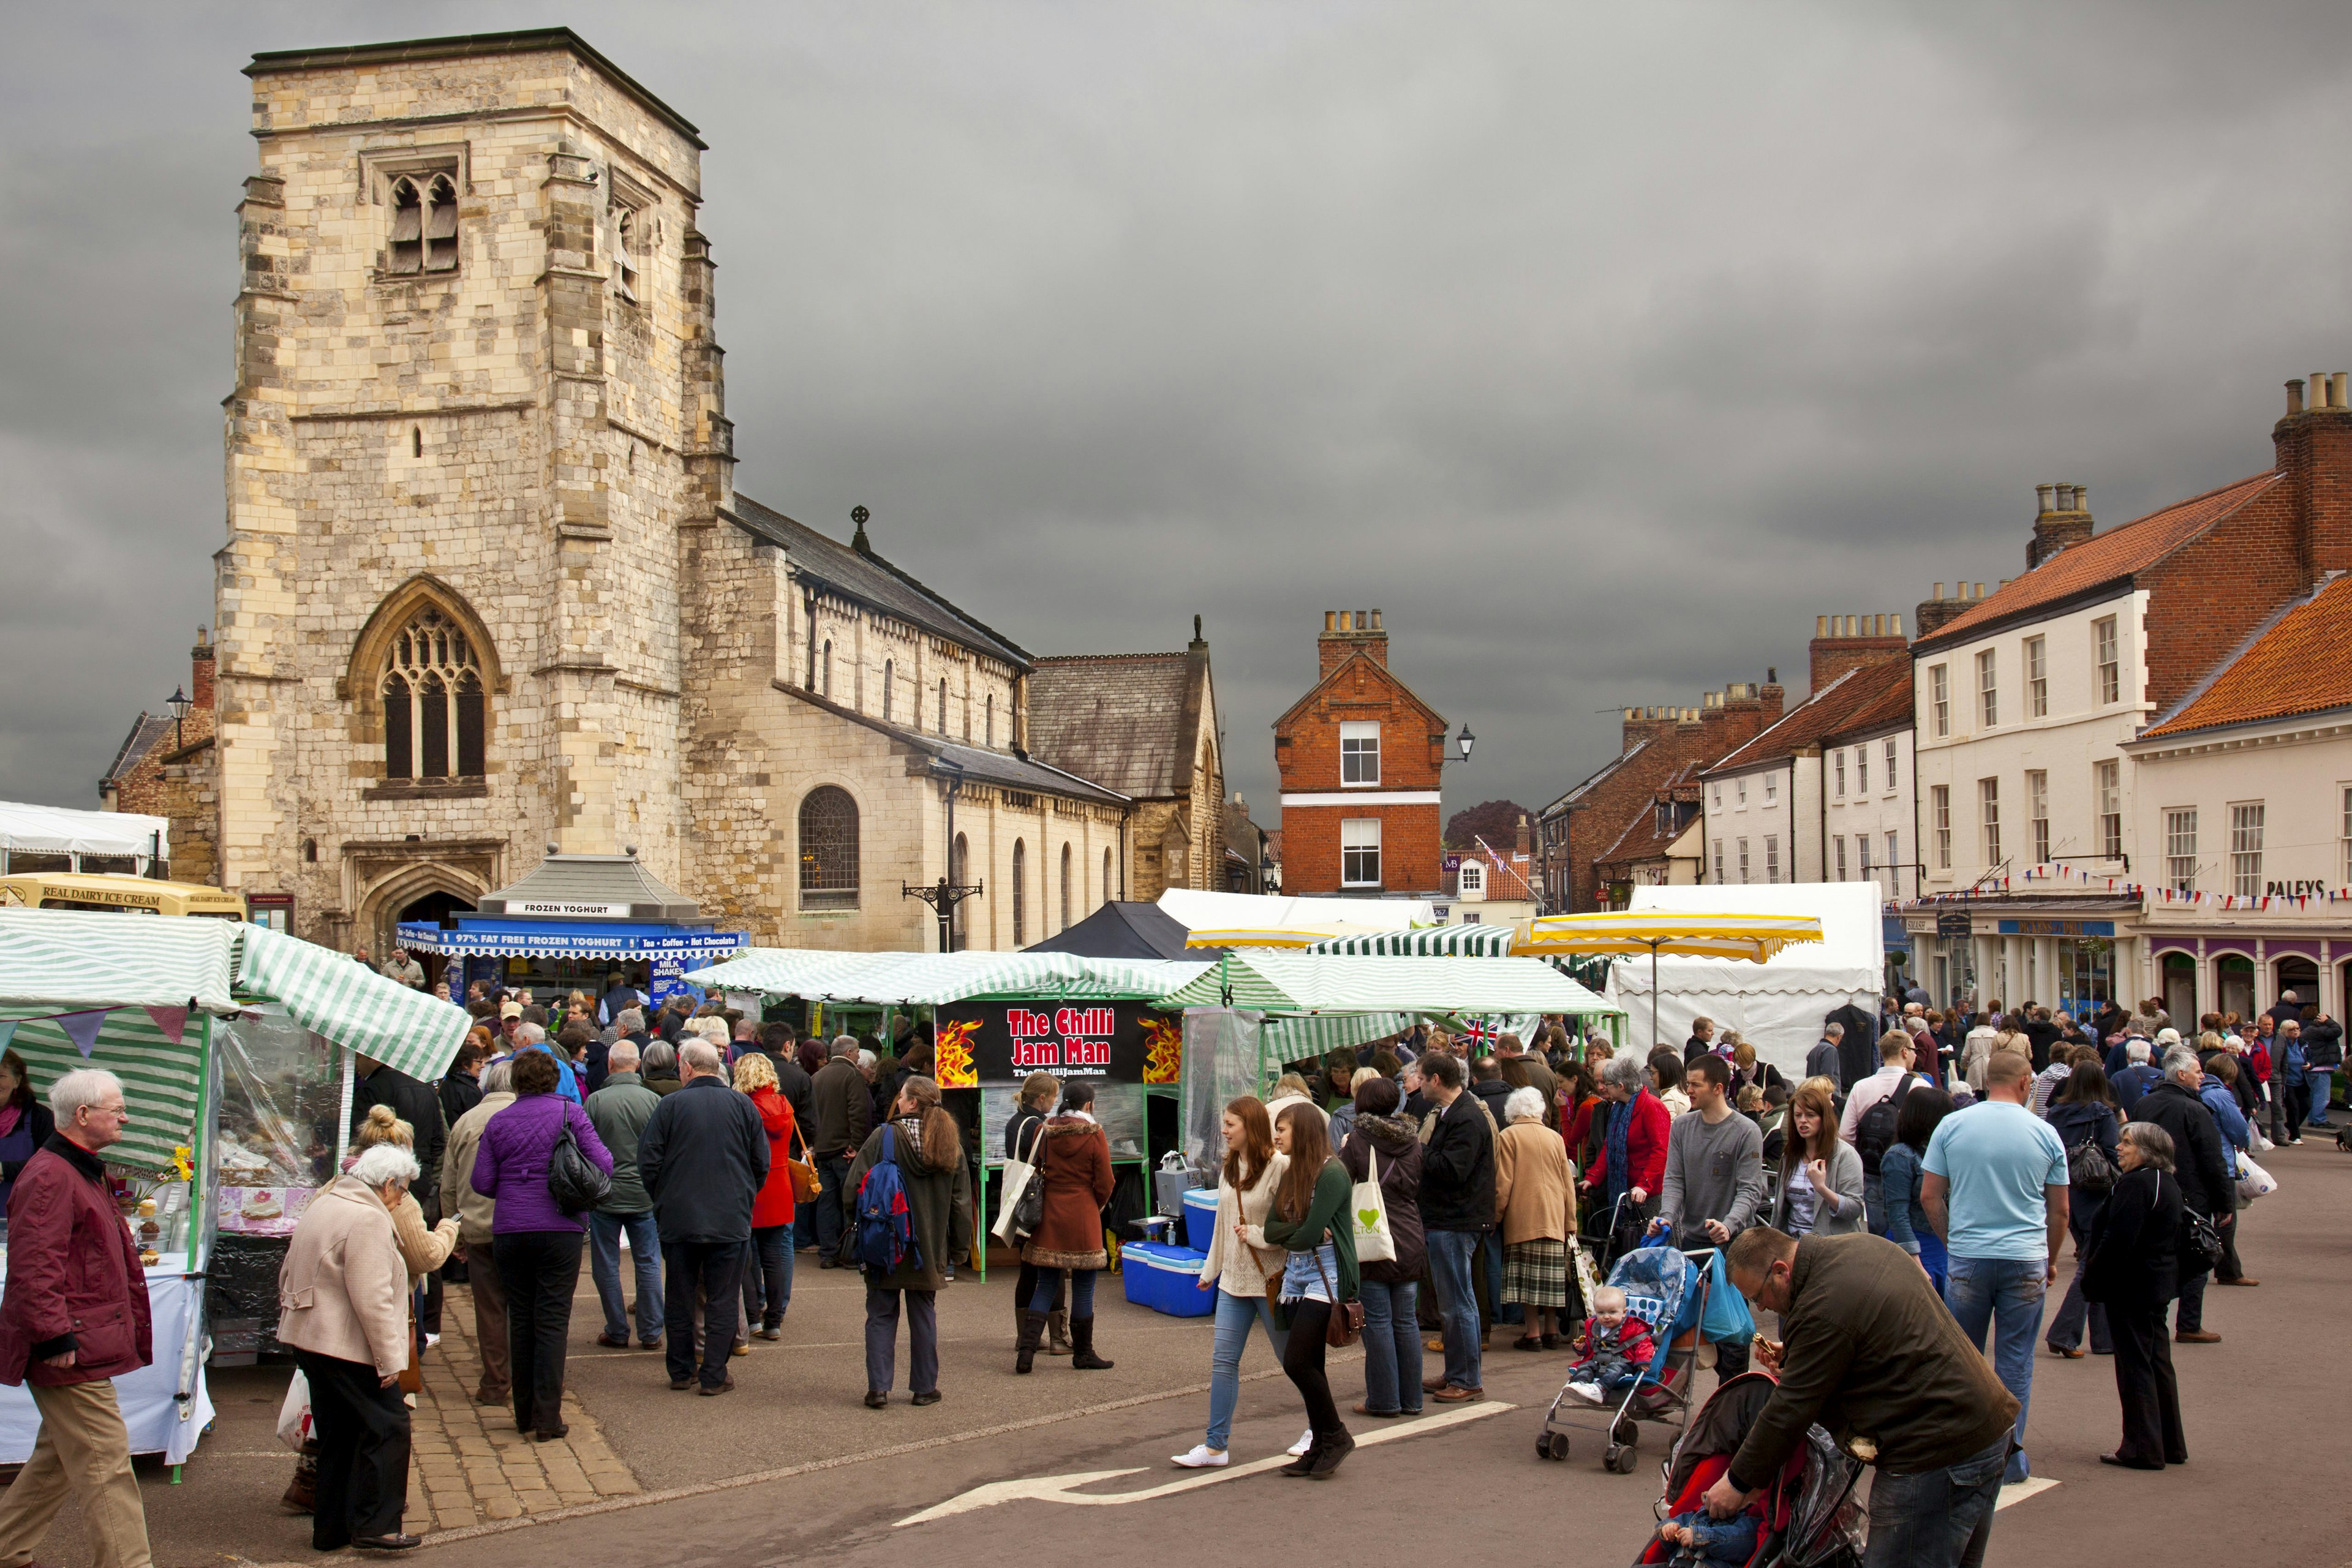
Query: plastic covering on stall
x,y
282,1093
1221,1063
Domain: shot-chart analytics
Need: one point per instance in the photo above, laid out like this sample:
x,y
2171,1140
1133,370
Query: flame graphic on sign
x,y
951,1054
1163,1058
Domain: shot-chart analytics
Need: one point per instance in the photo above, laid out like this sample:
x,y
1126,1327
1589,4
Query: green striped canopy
x,y
410,1031
1422,942
161,1083
1277,981
924,979
1297,1038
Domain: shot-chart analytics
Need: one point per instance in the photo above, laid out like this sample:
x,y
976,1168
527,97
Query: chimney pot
x,y
1979,591
2336,390
1897,619
1376,620
2318,389
2041,495
1328,618
2081,497
2293,397
1820,626
1939,590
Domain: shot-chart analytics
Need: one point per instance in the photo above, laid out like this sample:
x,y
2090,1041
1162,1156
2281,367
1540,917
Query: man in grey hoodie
x,y
1715,1179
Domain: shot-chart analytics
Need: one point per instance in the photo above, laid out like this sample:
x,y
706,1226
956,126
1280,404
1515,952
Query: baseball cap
x,y
511,1010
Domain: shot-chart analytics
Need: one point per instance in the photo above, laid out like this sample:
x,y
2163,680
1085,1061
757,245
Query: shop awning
x,y
640,940
1424,942
929,979
1276,982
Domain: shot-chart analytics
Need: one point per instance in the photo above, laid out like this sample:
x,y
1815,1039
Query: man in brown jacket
x,y
474,1214
1872,1355
75,1317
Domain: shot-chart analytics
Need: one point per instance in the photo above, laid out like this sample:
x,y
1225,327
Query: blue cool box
x,y
1165,1279
1199,1217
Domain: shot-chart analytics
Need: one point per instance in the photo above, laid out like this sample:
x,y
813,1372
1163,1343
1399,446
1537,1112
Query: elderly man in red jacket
x,y
74,1317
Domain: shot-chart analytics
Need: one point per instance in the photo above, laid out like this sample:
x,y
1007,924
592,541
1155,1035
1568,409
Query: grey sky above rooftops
x,y
1603,347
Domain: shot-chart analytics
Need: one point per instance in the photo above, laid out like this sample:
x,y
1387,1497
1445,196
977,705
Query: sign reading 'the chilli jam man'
x,y
1003,1042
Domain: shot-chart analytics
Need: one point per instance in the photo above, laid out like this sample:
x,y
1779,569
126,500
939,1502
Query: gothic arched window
x,y
885,690
1066,887
433,703
989,734
943,704
828,852
1105,886
959,873
424,225
1020,877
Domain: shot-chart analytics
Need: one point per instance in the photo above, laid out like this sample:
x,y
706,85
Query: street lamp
x,y
1465,740
177,705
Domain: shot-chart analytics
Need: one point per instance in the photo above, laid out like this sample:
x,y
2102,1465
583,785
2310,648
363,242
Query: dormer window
x,y
423,223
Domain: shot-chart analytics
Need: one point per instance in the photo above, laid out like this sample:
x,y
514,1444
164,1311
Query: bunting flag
x,y
172,1021
8,1032
82,1028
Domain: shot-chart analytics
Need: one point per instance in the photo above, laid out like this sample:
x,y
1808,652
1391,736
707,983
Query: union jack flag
x,y
1478,1032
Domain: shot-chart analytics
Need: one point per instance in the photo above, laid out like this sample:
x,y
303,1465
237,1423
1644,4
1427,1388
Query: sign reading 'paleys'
x,y
1003,1042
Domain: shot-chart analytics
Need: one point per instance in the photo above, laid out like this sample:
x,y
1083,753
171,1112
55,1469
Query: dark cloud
x,y
1603,349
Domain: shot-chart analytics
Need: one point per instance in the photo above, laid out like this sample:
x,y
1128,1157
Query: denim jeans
x,y
767,1275
1082,1292
1235,1316
832,1173
1936,1518
604,1232
1450,1252
2320,1084
2068,1326
2004,1295
1392,1347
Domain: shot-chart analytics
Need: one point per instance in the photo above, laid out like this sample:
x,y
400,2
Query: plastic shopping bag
x,y
294,1415
2253,1182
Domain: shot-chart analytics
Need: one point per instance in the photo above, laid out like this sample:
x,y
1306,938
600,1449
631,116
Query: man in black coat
x,y
703,1155
2206,1187
778,1043
1857,1049
416,1102
1457,1206
2041,1034
1701,1041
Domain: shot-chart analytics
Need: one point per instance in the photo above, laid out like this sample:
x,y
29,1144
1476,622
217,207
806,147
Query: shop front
x,y
2070,955
2246,961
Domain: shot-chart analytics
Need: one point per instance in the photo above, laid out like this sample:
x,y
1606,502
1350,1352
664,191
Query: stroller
x,y
1809,1517
1668,1289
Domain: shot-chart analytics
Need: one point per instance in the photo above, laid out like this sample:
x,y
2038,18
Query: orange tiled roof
x,y
2300,663
1866,694
2104,557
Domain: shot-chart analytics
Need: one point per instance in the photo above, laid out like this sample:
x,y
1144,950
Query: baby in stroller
x,y
1617,1348
1698,1539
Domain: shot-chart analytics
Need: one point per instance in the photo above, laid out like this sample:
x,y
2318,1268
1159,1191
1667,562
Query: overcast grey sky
x,y
1601,346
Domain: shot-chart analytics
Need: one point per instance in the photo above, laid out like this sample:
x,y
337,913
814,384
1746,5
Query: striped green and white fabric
x,y
1424,941
62,959
163,1083
1297,1038
413,1032
1276,982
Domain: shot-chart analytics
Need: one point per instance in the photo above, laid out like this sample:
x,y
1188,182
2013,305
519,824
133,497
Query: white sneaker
x,y
1306,1441
432,1340
1203,1457
1587,1391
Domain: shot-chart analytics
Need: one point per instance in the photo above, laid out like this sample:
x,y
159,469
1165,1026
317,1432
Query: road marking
x,y
2033,1486
1062,1489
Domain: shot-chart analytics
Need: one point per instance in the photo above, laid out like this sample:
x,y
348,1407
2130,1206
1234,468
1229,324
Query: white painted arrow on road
x,y
1063,1488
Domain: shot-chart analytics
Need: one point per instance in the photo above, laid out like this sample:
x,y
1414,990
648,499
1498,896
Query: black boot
x,y
1304,1464
1032,1329
1330,1447
1082,1340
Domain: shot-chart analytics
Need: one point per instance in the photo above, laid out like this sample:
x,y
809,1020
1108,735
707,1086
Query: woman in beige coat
x,y
1534,1202
343,1301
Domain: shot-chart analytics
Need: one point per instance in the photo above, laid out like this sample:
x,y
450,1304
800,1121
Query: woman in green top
x,y
1309,1217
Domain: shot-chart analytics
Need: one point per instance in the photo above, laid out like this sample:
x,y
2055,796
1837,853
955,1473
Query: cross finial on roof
x,y
858,514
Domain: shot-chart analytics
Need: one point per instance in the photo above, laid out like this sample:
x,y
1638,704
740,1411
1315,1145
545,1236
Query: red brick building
x,y
1360,757
162,769
1636,805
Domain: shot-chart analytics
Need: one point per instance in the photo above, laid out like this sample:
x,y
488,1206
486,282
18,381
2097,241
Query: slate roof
x,y
1835,709
147,731
871,581
593,879
2110,557
1008,770
1121,720
2299,661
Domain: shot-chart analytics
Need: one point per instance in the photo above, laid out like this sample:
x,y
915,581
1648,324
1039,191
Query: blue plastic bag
x,y
1726,1318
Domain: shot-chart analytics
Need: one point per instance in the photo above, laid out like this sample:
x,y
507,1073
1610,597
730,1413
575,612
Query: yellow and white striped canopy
x,y
1671,932
1277,936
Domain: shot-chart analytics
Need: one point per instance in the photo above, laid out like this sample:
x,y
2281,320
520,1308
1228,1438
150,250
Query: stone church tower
x,y
477,431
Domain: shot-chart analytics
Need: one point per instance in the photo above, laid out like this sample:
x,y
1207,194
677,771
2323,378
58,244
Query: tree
x,y
1496,821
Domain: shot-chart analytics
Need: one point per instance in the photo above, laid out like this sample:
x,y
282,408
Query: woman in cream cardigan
x,y
1238,1273
343,1300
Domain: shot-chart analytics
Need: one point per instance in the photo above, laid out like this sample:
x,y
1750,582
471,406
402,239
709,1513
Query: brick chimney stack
x,y
2062,517
2313,445
1932,613
1347,632
200,668
1846,642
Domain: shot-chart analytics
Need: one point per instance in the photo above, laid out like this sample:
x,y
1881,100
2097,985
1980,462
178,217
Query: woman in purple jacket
x,y
534,1245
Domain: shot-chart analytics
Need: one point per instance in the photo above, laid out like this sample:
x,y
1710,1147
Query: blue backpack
x,y
885,1226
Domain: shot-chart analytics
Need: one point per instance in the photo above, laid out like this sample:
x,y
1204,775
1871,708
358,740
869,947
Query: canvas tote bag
x,y
1368,1211
1018,1176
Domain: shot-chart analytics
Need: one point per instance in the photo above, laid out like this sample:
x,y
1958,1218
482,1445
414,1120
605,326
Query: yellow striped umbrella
x,y
1618,933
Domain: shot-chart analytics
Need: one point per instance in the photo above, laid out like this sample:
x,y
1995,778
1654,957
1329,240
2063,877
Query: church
x,y
489,593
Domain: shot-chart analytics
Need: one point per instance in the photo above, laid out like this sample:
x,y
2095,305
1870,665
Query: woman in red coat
x,y
1076,1170
770,1274
1636,1123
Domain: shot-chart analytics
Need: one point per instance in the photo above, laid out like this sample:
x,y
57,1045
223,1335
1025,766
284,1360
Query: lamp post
x,y
947,893
1465,740
177,705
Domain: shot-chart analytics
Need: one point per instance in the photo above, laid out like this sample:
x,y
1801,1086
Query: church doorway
x,y
436,907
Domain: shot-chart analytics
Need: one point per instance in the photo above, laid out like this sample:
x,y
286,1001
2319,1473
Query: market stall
x,y
224,1139
1248,1014
570,925
997,1017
